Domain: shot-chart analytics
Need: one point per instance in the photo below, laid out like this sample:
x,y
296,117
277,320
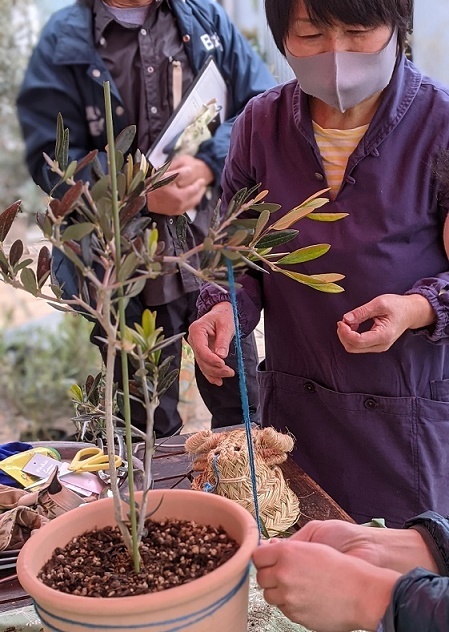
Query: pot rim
x,y
234,567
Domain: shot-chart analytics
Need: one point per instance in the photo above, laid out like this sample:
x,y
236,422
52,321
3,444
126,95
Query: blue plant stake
x,y
243,391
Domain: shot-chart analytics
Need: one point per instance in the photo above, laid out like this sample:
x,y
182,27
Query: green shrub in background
x,y
39,365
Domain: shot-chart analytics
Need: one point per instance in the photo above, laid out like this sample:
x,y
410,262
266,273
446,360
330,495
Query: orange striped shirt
x,y
336,145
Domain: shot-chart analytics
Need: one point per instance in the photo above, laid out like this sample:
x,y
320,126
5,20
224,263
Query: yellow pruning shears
x,y
92,460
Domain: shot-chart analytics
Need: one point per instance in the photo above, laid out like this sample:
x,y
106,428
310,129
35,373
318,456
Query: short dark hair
x,y
397,13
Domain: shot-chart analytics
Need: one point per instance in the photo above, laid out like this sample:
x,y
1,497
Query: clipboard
x,y
208,84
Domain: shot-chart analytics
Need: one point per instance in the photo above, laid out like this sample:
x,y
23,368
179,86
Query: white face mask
x,y
344,79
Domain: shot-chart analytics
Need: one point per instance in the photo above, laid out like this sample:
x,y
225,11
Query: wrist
x,y
375,590
421,312
405,549
224,307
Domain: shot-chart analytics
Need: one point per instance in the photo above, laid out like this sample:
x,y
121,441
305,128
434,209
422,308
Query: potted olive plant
x,y
115,249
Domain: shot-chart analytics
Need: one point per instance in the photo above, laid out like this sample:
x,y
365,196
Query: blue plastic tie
x,y
243,391
208,487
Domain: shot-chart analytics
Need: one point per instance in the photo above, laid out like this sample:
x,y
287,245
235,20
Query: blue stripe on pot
x,y
180,623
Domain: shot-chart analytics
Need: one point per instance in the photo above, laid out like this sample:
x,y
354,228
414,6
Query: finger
x,y
307,532
375,340
266,556
223,340
266,579
184,176
190,187
200,340
352,325
194,192
274,597
179,162
362,313
211,366
216,380
214,374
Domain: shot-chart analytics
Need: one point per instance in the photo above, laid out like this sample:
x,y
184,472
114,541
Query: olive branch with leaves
x,y
102,227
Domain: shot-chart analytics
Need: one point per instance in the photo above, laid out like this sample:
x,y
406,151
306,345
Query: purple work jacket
x,y
371,429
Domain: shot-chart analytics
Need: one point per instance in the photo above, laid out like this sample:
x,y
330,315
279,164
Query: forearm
x,y
373,598
421,313
403,550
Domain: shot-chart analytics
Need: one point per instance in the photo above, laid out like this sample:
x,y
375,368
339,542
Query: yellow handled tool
x,y
92,460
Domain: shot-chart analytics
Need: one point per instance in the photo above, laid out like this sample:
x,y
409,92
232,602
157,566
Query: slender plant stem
x,y
108,396
150,407
122,321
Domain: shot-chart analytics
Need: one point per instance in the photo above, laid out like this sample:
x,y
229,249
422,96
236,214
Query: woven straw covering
x,y
222,463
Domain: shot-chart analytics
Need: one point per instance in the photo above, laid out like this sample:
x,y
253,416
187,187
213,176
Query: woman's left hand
x,y
321,588
392,315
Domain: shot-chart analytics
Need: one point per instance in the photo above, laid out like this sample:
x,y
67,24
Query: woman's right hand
x,y
353,539
322,589
398,549
210,337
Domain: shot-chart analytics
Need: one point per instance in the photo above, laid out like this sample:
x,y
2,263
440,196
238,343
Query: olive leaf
x,y
276,239
327,217
77,393
308,253
238,237
125,139
44,223
119,162
261,223
23,264
28,279
62,143
76,232
315,281
298,213
121,185
15,252
100,188
271,208
132,208
68,201
43,264
70,171
165,383
128,266
86,160
7,218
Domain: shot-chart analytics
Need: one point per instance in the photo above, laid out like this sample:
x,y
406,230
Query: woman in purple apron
x,y
361,378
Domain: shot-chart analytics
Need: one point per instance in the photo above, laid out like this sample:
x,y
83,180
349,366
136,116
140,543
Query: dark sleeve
x,y
47,89
420,603
434,530
235,177
420,600
246,75
436,291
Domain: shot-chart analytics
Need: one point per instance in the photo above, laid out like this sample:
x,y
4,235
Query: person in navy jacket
x,y
150,51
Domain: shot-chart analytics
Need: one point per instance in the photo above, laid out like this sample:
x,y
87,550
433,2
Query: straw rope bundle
x,y
222,463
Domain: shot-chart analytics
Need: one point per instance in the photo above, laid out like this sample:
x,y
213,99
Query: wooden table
x,y
172,468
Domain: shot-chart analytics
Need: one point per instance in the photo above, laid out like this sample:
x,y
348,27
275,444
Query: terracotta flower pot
x,y
217,601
